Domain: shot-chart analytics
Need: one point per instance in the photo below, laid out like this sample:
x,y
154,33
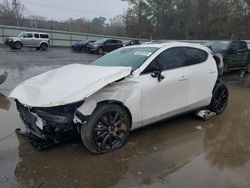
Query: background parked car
x,y
104,45
131,42
236,54
81,46
29,39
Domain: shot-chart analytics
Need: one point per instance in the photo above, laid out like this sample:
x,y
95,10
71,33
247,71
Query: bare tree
x,y
11,13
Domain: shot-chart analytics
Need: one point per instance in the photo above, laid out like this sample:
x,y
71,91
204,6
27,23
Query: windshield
x,y
126,57
20,35
100,41
218,46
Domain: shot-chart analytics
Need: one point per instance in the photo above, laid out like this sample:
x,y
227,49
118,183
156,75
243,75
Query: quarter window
x,y
44,36
194,56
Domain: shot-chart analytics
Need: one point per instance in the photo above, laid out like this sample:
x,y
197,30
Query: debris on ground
x,y
155,148
4,102
199,127
206,114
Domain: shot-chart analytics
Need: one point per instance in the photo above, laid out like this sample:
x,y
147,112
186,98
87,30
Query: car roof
x,y
174,44
35,32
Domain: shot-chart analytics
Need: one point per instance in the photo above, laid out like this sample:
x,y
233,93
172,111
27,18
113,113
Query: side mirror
x,y
157,74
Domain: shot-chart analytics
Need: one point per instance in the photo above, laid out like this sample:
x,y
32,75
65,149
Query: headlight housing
x,y
59,114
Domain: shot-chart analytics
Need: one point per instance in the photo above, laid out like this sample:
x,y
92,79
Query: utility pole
x,y
139,15
14,4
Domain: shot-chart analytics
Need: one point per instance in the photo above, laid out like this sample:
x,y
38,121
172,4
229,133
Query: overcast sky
x,y
63,9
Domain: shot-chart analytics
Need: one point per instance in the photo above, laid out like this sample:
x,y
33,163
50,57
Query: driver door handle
x,y
183,78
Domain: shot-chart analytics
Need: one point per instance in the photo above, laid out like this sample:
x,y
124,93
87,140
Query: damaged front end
x,y
48,126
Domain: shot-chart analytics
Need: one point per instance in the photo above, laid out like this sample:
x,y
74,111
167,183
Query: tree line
x,y
189,19
156,19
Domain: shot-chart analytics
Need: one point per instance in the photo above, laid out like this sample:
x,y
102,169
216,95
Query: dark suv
x,y
236,54
104,45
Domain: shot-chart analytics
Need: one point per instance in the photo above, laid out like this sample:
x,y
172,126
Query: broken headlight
x,y
59,114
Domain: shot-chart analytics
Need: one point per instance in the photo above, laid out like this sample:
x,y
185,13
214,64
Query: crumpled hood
x,y
65,85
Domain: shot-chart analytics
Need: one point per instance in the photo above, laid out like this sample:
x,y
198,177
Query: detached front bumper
x,y
50,126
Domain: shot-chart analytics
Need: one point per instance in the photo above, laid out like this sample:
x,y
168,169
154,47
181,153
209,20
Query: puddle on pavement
x,y
238,79
168,154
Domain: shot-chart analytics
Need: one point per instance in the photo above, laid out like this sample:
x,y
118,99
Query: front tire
x,y
107,129
100,51
220,98
18,45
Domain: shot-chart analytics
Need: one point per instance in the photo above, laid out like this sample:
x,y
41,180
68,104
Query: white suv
x,y
29,39
124,90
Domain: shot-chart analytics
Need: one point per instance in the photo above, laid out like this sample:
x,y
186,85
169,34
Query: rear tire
x,y
100,51
220,98
107,129
18,45
43,46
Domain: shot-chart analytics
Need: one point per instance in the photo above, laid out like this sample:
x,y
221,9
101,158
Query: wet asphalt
x,y
181,152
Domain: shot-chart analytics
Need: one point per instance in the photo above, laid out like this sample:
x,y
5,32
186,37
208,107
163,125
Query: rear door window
x,y
194,56
171,59
36,35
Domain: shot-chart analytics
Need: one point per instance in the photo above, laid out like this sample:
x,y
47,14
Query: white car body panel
x,y
69,84
203,77
127,91
165,98
147,99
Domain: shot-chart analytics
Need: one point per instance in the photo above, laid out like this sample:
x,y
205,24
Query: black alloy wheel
x,y
107,130
220,99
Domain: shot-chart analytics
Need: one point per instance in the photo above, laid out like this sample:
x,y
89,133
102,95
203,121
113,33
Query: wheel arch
x,y
117,103
43,42
216,85
18,41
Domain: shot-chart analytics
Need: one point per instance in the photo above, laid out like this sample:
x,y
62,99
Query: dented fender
x,y
88,107
126,93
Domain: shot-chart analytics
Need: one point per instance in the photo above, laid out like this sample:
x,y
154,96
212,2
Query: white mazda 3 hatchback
x,y
123,90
